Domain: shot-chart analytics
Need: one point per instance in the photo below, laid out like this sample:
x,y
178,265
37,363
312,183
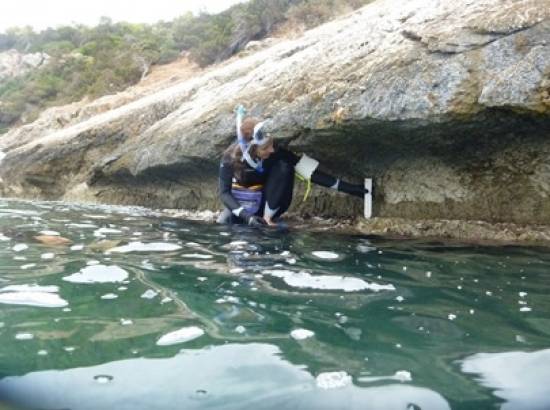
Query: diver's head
x,y
254,134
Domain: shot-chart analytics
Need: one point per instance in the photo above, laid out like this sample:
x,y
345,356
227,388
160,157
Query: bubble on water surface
x,y
103,379
301,334
182,335
145,247
19,247
325,255
98,274
51,233
24,336
196,255
149,294
304,279
333,380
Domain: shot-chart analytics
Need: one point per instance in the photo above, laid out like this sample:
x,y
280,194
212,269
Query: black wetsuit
x,y
277,179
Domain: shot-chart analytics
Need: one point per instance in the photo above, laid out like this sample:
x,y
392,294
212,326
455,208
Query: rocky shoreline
x,y
479,232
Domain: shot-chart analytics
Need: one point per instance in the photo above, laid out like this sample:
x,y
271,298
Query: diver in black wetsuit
x,y
256,179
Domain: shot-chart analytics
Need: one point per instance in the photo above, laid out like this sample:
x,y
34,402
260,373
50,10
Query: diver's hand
x,y
252,220
352,189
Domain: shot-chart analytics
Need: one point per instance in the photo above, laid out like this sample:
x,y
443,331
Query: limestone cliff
x,y
14,64
444,103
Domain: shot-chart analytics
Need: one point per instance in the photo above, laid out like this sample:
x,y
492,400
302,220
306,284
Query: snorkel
x,y
259,138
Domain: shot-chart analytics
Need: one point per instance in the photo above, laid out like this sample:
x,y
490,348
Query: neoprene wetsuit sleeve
x,y
225,182
326,180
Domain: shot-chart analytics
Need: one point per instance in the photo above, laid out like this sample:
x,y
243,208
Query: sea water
x,y
142,311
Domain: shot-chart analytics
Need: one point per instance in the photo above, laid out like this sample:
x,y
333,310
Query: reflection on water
x,y
252,376
520,378
128,309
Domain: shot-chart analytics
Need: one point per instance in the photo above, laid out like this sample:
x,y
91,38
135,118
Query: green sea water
x,y
140,311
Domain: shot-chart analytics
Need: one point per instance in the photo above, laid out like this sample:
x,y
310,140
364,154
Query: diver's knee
x,y
225,217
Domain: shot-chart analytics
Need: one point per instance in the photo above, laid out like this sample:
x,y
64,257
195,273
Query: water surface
x,y
144,311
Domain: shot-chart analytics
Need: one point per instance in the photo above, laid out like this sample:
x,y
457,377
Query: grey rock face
x,y
445,103
14,63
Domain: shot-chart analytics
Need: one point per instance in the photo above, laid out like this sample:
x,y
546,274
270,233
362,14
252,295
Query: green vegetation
x,y
100,60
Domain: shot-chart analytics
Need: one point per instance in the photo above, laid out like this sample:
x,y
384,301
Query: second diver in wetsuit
x,y
256,179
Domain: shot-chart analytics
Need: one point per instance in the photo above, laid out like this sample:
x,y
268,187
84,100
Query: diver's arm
x,y
309,169
326,180
225,182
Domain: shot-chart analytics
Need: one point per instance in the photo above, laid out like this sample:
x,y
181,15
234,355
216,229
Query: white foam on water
x,y
69,348
78,247
301,334
92,262
236,270
19,247
182,335
145,247
109,296
193,244
94,216
2,155
202,278
451,316
166,300
237,244
85,226
4,238
147,265
39,299
228,299
30,288
102,232
240,329
98,274
48,255
24,336
325,282
149,294
42,352
400,376
50,233
28,266
196,256
522,294
333,380
19,258
325,255
365,248
122,288
525,309
126,322
400,299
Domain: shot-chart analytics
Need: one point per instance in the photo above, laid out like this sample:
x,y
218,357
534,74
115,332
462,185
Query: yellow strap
x,y
251,187
308,186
